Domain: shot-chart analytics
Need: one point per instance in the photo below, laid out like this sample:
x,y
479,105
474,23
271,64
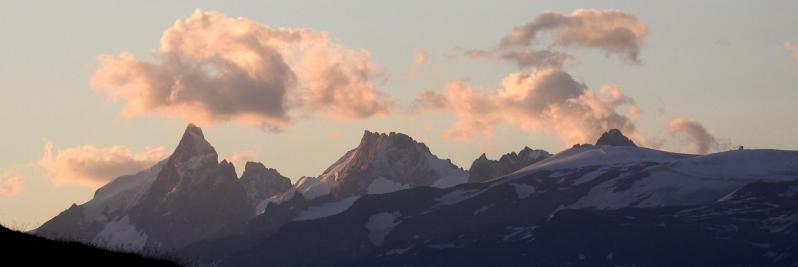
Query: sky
x,y
90,90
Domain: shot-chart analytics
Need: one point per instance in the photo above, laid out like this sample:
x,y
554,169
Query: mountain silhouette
x,y
27,250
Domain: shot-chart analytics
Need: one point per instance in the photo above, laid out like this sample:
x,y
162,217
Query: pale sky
x,y
731,66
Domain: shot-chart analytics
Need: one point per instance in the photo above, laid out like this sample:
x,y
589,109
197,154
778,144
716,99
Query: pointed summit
x,y
193,143
614,137
383,163
374,140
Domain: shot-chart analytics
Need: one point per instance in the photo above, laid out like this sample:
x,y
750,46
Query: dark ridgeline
x,y
483,169
22,249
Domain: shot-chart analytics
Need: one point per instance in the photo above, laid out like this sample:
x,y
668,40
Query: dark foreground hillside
x,y
29,250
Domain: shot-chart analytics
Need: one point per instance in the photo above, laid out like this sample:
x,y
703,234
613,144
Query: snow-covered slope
x,y
641,177
592,205
382,163
121,193
587,155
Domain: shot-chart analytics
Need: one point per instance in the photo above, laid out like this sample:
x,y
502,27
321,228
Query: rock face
x,y
383,163
194,187
263,183
483,169
188,197
380,164
614,137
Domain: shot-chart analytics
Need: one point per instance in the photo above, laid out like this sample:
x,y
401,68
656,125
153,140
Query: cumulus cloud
x,y
93,166
791,48
612,31
212,68
11,186
537,43
542,100
698,138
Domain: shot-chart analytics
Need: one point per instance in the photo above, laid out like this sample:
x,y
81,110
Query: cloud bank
x,y
212,68
91,166
698,139
11,186
538,101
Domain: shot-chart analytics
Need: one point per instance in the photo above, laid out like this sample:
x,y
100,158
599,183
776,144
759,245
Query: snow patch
x,y
380,225
482,209
523,190
120,234
454,197
261,206
312,187
326,209
383,186
450,174
397,251
121,193
451,180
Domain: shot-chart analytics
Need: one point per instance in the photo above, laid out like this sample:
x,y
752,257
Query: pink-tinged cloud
x,y
539,101
696,136
524,58
212,68
612,31
791,48
11,186
240,159
421,57
92,166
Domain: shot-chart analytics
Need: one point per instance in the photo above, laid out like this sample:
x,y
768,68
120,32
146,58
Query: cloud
x,y
429,100
421,57
542,58
240,159
212,68
11,186
612,31
536,43
542,100
91,166
791,48
698,138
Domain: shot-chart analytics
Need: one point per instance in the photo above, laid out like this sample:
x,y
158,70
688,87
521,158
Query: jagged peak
x,y
193,143
252,169
524,152
252,166
614,137
393,138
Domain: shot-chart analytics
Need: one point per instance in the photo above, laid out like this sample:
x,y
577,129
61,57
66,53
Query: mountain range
x,y
391,202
